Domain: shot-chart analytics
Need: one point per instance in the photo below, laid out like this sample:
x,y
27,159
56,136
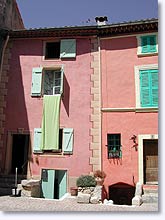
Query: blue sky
x,y
57,13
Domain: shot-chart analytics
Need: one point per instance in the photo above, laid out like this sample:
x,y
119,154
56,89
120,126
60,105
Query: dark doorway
x,y
20,149
150,161
121,193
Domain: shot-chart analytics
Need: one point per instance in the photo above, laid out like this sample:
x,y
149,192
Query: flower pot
x,y
73,191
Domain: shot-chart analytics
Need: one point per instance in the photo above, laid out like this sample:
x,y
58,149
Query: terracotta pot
x,y
73,191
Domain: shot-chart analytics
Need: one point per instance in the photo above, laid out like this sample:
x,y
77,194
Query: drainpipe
x,y
4,44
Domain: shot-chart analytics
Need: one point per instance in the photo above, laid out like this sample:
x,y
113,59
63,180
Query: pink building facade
x,y
64,59
129,91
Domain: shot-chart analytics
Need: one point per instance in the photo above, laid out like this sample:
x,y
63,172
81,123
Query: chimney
x,y
102,20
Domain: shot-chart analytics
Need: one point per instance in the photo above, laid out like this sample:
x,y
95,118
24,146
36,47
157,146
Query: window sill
x,y
147,54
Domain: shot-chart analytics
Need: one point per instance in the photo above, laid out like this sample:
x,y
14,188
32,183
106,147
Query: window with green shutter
x,y
65,48
149,88
65,141
148,44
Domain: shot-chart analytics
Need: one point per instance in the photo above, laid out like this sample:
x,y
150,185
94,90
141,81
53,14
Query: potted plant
x,y
99,177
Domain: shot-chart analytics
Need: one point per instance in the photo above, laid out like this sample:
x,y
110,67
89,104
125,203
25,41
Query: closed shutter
x,y
36,81
149,88
152,40
68,140
68,48
37,140
144,45
154,87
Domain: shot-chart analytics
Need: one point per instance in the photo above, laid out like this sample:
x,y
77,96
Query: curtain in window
x,y
50,122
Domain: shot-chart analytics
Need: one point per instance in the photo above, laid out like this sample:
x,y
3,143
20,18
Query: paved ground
x,y
14,204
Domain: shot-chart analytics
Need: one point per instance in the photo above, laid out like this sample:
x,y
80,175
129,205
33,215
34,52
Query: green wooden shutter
x,y
68,48
62,80
68,140
144,44
37,140
47,183
36,81
152,43
62,180
149,88
145,88
154,87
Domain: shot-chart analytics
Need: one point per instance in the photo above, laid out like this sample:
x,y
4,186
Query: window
x,y
147,44
114,145
53,80
149,88
52,50
65,141
65,48
146,84
47,81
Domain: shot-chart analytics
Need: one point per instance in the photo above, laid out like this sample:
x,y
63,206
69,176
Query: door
x,y
20,148
150,161
53,183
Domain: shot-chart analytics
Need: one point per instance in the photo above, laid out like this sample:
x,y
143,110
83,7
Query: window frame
x,y
137,70
139,44
114,153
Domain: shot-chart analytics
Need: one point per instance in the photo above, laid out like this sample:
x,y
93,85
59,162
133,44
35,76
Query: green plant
x,y
86,181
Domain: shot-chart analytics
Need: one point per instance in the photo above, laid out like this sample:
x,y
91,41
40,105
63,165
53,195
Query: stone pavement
x,y
68,204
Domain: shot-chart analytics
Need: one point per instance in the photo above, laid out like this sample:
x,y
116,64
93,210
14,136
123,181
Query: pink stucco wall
x,y
118,58
24,111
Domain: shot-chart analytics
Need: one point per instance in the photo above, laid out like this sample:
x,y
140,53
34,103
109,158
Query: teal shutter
x,y
154,87
62,80
152,40
47,183
36,81
62,180
37,140
144,45
148,44
68,140
68,48
149,88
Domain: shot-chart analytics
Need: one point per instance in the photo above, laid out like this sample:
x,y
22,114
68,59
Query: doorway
x,y
150,161
20,148
53,183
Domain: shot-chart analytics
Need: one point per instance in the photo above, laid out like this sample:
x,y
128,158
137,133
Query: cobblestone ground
x,y
15,204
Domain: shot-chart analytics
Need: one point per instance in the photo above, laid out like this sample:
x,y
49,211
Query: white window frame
x,y
139,43
137,84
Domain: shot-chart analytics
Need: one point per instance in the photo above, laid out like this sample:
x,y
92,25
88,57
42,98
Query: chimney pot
x,y
101,20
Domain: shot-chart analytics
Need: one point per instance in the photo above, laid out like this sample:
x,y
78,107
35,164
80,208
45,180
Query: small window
x,y
52,50
53,82
147,45
114,145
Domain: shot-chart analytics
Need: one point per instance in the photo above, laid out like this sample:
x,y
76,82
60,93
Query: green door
x,y
62,180
47,183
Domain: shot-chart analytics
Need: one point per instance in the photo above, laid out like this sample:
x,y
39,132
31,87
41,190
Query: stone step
x,y
150,189
150,198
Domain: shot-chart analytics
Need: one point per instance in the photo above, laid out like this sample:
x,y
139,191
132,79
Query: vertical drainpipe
x,y
100,100
2,55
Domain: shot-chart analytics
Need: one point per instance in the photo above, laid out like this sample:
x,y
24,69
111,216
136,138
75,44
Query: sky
x,y
59,13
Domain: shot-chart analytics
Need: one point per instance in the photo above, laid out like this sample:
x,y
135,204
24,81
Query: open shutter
x,y
152,40
36,81
68,48
68,140
62,80
144,44
37,140
145,88
154,87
